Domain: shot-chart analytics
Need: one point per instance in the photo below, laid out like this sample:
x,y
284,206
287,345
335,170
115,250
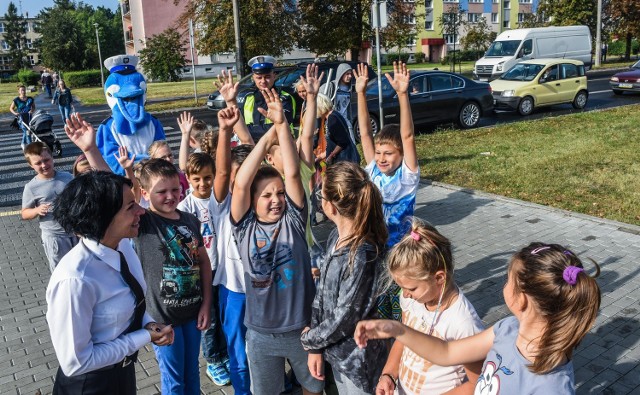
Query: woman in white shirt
x,y
95,297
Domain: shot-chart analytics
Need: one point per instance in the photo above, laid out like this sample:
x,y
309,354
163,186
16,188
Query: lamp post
x,y
99,54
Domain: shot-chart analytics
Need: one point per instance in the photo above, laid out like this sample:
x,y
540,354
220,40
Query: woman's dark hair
x,y
89,202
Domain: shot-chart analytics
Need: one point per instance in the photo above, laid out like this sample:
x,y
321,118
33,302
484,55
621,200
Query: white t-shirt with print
x,y
230,272
419,376
200,208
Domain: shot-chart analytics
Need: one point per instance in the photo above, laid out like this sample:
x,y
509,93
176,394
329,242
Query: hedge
x,y
79,79
28,77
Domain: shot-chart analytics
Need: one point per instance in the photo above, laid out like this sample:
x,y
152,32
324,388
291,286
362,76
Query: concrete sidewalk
x,y
485,230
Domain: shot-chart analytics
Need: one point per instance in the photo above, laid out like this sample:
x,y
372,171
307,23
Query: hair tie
x,y
415,236
539,249
570,274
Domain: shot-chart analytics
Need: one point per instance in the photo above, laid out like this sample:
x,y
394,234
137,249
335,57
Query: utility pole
x,y
193,61
599,34
99,55
236,31
378,23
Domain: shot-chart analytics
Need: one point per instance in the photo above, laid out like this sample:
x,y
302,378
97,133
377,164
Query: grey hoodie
x,y
340,95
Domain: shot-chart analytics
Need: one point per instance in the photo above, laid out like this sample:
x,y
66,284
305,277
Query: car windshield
x,y
522,72
503,48
636,65
387,89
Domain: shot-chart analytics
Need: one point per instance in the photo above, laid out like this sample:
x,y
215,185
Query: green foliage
x,y
462,56
77,79
570,12
12,79
15,37
478,37
625,21
69,36
163,56
399,30
28,77
389,58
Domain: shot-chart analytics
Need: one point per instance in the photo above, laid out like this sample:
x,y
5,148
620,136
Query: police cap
x,y
262,64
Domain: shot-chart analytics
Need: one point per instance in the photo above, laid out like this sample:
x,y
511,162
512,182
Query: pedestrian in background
x,y
47,82
23,106
63,98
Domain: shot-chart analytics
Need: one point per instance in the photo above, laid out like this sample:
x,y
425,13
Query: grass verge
x,y
464,68
584,162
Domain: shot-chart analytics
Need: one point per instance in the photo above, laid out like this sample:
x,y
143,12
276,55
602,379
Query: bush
x,y
79,79
13,78
462,56
28,77
388,59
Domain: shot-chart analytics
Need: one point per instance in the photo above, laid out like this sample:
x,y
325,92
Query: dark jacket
x,y
345,295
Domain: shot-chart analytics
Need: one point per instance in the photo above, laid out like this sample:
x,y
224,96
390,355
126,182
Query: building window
x,y
507,4
473,18
428,25
521,17
428,3
4,45
29,43
494,17
476,1
450,1
524,1
451,38
32,60
506,24
409,19
411,41
1,27
496,1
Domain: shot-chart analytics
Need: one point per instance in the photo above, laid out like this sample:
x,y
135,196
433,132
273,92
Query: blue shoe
x,y
218,374
227,364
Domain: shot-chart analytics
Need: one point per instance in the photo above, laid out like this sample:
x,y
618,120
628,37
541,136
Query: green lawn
x,y
584,162
466,67
8,91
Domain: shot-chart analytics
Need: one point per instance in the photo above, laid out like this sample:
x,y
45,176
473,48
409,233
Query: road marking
x,y
607,90
8,213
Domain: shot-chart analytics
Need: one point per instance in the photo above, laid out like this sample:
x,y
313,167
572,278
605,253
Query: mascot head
x,y
126,90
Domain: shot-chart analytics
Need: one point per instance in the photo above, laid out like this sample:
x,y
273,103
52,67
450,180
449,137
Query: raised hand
x,y
227,88
362,77
275,112
312,81
80,132
400,80
123,158
185,122
228,117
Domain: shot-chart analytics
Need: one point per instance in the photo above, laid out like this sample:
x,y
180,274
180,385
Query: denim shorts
x,y
267,353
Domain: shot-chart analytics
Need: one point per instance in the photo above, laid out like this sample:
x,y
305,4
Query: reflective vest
x,y
250,103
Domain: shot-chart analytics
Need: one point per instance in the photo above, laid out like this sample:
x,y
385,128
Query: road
x,y
14,174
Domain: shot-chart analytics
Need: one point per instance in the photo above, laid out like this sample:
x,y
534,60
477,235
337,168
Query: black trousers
x,y
116,381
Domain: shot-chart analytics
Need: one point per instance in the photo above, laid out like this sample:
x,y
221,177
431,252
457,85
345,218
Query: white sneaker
x,y
22,145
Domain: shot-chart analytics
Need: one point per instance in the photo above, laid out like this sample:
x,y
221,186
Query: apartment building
x,y
501,15
32,36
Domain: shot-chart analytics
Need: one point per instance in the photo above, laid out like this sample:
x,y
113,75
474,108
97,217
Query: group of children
x,y
232,258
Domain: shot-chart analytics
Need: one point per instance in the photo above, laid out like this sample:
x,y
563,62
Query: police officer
x,y
264,78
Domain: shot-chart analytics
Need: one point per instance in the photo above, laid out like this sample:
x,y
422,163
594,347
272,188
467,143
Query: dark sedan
x,y
626,81
436,97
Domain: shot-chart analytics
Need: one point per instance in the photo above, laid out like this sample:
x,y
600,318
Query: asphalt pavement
x,y
485,230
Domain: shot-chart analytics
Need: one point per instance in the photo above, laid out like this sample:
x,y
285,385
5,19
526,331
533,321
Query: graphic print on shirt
x,y
413,379
271,262
180,284
489,381
208,233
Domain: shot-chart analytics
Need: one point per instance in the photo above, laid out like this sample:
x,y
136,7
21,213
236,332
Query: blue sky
x,y
33,7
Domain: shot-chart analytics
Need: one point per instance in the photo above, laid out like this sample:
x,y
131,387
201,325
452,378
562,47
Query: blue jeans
x,y
232,306
178,363
65,112
214,345
26,137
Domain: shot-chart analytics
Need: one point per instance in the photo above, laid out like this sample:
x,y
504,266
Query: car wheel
x,y
526,106
469,115
617,92
580,101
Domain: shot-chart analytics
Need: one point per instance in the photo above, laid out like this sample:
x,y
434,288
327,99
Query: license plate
x,y
483,79
210,103
494,102
623,85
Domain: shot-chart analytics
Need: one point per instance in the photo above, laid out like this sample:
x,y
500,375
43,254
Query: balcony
x,y
128,37
126,10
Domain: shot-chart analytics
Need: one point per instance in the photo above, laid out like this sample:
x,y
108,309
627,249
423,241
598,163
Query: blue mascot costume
x,y
129,124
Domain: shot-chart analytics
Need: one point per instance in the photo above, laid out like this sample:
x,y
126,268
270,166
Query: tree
x,y
15,37
268,28
625,21
451,21
569,12
401,27
532,20
478,36
163,56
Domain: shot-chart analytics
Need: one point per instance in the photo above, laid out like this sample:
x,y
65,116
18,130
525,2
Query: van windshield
x,y
522,72
503,48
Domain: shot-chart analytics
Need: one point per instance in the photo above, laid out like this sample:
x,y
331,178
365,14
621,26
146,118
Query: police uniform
x,y
259,125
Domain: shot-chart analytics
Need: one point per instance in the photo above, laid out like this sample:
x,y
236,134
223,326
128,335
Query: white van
x,y
513,46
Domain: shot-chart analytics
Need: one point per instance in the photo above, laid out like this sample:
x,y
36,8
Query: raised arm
x,y
312,86
229,91
364,123
400,83
82,134
185,122
226,119
463,351
241,198
290,158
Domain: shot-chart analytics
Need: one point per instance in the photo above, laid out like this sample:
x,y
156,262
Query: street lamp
x,y
99,54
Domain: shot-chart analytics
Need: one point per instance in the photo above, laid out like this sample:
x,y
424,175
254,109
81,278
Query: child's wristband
x,y
393,380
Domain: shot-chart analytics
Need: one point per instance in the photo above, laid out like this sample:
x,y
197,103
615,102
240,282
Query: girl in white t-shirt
x,y
422,265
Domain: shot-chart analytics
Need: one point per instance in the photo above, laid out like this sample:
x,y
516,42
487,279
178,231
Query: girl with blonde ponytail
x,y
348,287
554,304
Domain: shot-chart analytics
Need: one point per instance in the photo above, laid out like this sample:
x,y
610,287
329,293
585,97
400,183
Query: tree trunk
x,y
627,51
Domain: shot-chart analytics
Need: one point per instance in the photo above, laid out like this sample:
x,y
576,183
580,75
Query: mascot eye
x,y
109,94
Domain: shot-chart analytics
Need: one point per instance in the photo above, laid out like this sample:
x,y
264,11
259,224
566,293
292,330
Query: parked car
x,y
285,79
435,97
626,81
541,82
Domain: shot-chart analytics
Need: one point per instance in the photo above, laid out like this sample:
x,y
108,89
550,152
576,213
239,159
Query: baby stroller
x,y
40,129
